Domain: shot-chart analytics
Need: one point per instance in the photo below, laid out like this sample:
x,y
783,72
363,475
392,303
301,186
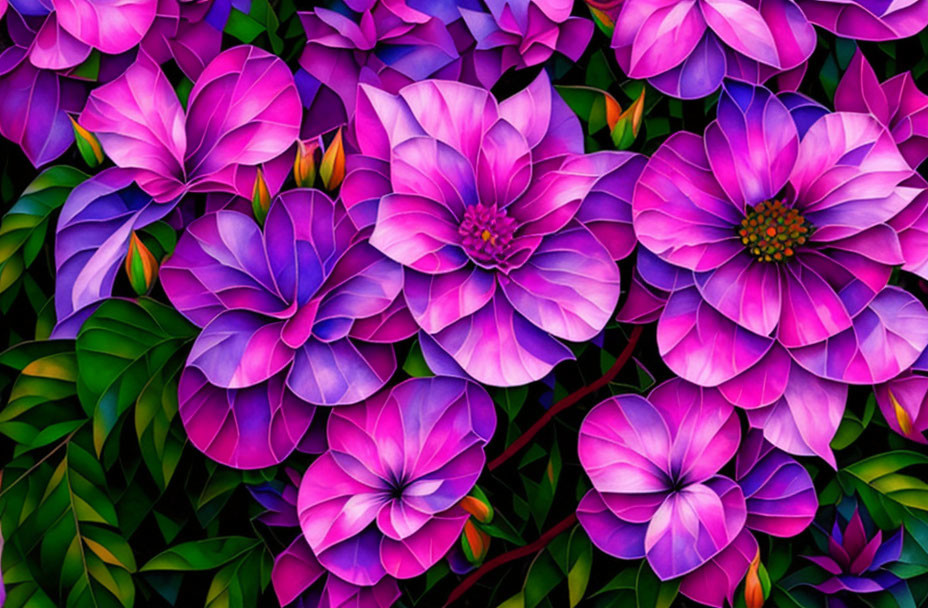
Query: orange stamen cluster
x,y
772,231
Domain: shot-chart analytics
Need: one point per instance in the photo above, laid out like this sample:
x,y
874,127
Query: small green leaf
x,y
201,554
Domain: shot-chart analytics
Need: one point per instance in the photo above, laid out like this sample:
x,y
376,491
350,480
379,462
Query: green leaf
x,y
580,556
415,364
239,584
651,592
42,407
161,436
201,554
62,524
260,19
23,229
119,348
882,474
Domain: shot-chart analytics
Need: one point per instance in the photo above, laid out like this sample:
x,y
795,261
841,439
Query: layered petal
x,y
610,534
94,228
339,372
238,349
112,27
885,339
625,447
804,421
569,287
244,109
778,491
680,211
498,346
716,580
248,428
703,346
693,525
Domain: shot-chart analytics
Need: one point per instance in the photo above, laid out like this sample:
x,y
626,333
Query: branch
x,y
568,401
562,526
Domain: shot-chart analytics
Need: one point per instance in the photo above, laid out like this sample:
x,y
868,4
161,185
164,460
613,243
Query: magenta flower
x,y
657,492
903,109
34,103
522,33
280,311
383,500
481,202
686,47
856,559
229,122
73,28
243,111
772,239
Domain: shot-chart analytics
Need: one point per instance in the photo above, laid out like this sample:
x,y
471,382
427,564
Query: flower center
x,y
487,232
771,231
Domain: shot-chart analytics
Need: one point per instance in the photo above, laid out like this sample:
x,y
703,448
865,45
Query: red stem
x,y
505,558
568,401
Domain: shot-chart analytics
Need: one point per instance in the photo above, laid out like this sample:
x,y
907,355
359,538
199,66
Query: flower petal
x,y
248,428
244,109
625,447
693,525
498,346
437,301
610,534
111,27
701,345
569,287
239,349
340,372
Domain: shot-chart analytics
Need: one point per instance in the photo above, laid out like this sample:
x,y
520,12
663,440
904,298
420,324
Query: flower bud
x,y
304,167
475,543
604,14
141,266
477,504
332,169
626,128
260,198
753,589
902,416
87,144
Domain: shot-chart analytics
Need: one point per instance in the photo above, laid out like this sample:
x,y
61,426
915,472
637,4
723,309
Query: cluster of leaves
x,y
103,503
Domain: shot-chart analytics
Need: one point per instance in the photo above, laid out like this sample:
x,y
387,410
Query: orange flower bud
x,y
626,128
753,589
87,144
141,266
475,543
478,505
260,197
304,167
332,169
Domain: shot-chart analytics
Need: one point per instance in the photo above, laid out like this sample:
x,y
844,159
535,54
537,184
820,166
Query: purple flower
x,y
230,122
385,43
34,102
383,500
856,560
771,236
522,33
655,463
686,47
73,28
243,111
481,202
279,311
